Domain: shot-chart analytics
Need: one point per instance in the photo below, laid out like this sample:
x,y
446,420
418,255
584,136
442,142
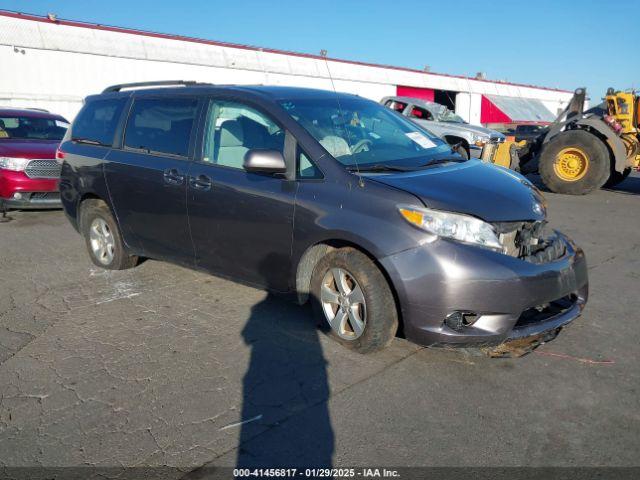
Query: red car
x,y
29,172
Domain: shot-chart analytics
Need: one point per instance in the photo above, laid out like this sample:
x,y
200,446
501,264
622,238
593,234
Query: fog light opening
x,y
17,195
458,320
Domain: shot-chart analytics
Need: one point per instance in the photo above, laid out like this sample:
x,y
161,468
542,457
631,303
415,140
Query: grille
x,y
544,312
42,169
534,242
45,196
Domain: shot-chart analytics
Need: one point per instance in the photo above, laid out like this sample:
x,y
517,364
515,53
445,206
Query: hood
x,y
477,129
28,148
491,193
458,127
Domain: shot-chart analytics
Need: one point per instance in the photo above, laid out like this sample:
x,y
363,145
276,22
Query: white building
x,y
53,64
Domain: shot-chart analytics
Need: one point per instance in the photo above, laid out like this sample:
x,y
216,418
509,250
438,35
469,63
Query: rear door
x,y
241,222
147,176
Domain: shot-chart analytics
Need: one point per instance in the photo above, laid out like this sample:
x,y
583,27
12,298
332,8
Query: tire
x,y
616,177
587,151
95,214
460,150
378,312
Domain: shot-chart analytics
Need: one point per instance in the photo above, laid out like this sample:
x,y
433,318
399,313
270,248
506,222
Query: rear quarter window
x,y
161,125
98,120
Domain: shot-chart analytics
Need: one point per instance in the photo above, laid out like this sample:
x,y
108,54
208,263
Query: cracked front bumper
x,y
434,280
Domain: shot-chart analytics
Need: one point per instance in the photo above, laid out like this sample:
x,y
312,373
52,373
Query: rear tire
x,y
617,177
575,163
102,236
376,307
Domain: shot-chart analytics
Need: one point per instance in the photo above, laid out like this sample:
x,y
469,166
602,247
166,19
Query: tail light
x,y
59,156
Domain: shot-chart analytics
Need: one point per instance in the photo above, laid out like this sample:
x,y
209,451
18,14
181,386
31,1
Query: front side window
x,y
396,105
232,129
306,168
97,121
161,125
32,128
360,132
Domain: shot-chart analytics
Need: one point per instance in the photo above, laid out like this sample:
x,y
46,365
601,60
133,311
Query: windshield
x,y
448,116
360,132
33,128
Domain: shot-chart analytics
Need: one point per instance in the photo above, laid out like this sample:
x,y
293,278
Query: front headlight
x,y
479,140
455,226
12,163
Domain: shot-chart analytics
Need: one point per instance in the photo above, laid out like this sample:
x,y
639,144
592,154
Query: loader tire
x,y
574,163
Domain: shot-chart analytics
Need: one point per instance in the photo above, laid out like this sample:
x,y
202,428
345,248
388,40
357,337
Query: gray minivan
x,y
330,197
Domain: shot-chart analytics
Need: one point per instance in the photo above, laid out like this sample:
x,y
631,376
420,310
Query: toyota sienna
x,y
329,196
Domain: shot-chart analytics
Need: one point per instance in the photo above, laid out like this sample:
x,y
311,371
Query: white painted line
x,y
237,424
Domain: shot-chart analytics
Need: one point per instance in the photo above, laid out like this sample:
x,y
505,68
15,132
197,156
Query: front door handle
x,y
173,177
201,182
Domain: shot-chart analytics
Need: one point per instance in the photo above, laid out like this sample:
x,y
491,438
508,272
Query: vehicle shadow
x,y
629,186
286,375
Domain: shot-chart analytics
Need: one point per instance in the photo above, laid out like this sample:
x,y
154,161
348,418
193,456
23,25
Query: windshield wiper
x,y
88,141
439,161
378,167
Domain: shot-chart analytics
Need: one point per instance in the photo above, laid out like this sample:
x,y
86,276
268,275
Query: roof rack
x,y
160,83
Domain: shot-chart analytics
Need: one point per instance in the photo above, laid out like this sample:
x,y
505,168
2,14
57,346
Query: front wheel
x,y
574,162
460,150
352,300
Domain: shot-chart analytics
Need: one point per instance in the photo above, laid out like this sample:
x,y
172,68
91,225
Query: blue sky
x,y
554,43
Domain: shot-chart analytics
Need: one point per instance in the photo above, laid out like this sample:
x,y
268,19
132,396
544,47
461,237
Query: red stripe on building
x,y
489,113
415,92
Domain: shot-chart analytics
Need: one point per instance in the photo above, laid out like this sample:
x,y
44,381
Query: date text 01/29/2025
x,y
315,473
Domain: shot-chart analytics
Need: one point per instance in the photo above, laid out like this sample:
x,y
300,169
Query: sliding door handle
x,y
173,177
200,182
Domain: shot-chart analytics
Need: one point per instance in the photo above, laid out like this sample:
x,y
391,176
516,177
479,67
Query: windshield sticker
x,y
62,124
420,139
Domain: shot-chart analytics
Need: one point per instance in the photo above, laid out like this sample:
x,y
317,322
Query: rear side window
x,y
424,114
98,120
161,125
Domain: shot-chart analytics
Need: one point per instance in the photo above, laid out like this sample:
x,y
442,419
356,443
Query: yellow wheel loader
x,y
583,151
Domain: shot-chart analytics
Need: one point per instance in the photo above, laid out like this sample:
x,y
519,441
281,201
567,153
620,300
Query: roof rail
x,y
38,109
160,83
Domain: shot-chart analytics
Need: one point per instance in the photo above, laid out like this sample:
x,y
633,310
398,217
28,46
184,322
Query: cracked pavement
x,y
160,365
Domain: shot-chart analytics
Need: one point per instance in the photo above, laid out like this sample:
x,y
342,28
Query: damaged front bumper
x,y
507,298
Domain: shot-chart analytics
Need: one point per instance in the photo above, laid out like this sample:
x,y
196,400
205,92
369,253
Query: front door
x,y
147,177
241,222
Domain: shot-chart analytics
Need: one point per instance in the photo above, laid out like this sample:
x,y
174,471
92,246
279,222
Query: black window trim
x,y
300,150
152,153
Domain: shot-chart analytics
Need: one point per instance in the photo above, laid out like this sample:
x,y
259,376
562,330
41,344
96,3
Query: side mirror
x,y
264,161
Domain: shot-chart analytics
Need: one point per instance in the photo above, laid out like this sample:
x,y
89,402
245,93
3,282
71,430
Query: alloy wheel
x,y
101,241
343,303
